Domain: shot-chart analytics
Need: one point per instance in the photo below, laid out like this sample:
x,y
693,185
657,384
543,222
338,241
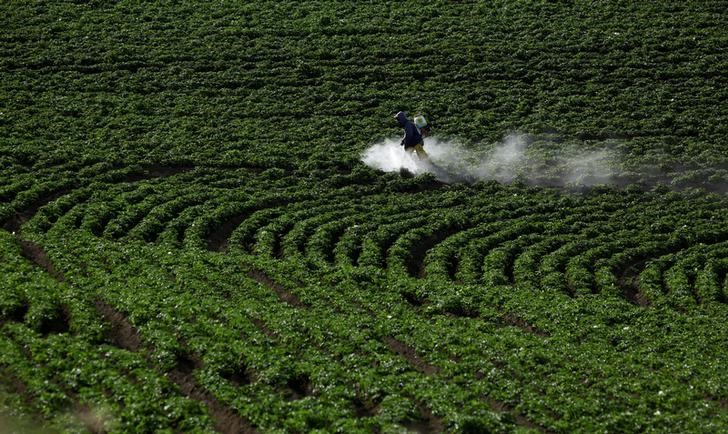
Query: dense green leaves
x,y
189,241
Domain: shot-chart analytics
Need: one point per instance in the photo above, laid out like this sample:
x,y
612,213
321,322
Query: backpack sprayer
x,y
422,126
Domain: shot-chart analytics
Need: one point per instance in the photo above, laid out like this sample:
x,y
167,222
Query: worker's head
x,y
401,117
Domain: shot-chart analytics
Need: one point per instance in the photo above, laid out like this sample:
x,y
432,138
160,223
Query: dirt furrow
x,y
20,217
81,411
155,171
427,423
283,293
217,240
225,419
629,282
264,328
37,255
124,335
515,321
16,385
410,355
520,420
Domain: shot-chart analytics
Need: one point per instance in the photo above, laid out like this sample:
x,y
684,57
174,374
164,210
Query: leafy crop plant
x,y
193,237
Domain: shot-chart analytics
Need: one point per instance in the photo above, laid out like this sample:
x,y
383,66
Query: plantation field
x,y
191,242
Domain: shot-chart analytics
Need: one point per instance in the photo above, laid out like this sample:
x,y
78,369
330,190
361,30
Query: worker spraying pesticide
x,y
508,160
412,140
388,156
413,143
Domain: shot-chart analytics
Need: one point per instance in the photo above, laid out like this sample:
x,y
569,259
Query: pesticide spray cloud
x,y
516,157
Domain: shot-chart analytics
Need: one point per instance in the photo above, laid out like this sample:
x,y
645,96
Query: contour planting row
x,y
291,221
77,183
575,254
691,277
299,226
450,343
409,336
126,208
488,240
122,198
306,340
139,207
56,351
138,305
371,243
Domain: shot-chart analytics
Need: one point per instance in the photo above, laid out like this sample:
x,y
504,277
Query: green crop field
x,y
191,239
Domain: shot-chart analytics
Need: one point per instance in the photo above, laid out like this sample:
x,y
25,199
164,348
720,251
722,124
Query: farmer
x,y
412,140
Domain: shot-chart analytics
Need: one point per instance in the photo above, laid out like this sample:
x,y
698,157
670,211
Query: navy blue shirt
x,y
412,135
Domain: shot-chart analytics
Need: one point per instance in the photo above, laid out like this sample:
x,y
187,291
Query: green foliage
x,y
189,239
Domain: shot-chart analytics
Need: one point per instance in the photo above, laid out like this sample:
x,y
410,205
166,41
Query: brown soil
x,y
410,354
364,408
462,311
217,240
629,282
155,171
513,320
35,253
414,299
16,385
264,328
502,407
722,403
225,419
122,333
426,423
282,292
298,386
238,376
